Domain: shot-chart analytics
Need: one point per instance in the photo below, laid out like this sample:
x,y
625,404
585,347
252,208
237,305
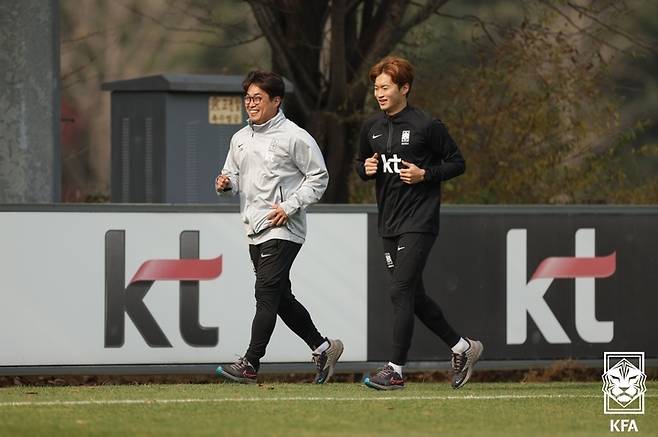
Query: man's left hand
x,y
278,216
412,174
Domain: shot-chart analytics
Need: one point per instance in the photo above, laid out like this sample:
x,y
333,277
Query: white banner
x,y
53,287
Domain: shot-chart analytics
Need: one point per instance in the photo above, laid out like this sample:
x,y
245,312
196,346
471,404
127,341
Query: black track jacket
x,y
415,137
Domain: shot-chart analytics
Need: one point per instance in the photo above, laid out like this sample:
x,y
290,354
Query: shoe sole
x,y
469,372
332,367
376,386
222,373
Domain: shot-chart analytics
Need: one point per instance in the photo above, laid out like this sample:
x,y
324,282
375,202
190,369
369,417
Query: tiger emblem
x,y
624,383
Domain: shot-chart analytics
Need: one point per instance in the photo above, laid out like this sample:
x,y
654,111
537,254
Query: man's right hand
x,y
222,182
370,164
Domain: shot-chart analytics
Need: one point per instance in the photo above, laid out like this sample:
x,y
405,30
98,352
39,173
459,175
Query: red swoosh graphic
x,y
596,267
178,270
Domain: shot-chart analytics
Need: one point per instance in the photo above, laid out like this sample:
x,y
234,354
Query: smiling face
x,y
391,97
260,107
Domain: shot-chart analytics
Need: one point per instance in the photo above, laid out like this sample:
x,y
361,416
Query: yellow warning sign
x,y
225,110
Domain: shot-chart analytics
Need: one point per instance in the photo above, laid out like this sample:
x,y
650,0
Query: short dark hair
x,y
268,81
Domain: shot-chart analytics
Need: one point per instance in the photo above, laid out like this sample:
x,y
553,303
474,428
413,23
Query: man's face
x,y
391,98
260,107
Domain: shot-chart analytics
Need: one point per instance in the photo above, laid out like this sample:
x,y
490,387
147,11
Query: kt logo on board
x,y
526,298
121,299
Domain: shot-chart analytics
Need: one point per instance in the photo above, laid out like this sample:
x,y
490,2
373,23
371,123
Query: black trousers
x,y
272,262
406,256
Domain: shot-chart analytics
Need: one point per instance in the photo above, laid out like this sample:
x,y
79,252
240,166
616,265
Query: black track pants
x,y
272,262
406,256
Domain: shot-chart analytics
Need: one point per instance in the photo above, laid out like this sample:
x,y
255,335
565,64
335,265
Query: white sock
x,y
323,347
396,367
461,346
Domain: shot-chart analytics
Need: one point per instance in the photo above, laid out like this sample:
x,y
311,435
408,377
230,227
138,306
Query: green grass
x,y
504,409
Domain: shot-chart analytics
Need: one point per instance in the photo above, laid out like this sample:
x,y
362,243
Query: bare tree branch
x,y
212,26
483,24
165,26
201,18
70,84
65,76
217,46
89,35
614,30
421,15
266,20
205,17
214,31
389,30
584,31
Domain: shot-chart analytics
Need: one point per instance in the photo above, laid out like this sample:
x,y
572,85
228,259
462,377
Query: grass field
x,y
504,409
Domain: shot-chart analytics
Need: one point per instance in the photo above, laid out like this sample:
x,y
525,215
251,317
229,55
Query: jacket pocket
x,y
258,222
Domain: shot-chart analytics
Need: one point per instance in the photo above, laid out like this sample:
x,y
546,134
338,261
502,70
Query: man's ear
x,y
405,89
278,101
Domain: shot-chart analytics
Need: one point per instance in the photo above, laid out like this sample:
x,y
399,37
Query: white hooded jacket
x,y
276,162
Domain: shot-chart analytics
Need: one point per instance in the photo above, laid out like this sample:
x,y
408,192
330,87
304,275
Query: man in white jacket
x,y
277,169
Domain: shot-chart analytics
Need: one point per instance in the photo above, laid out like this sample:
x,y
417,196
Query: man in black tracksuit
x,y
409,153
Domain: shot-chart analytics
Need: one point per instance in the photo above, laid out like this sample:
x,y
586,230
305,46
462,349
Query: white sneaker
x,y
326,361
462,364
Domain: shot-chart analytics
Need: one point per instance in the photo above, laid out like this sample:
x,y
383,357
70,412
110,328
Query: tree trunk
x,y
330,131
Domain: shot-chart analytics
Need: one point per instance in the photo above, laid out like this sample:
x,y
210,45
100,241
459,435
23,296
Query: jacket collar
x,y
398,114
275,121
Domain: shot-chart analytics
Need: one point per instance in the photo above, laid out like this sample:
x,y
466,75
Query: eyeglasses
x,y
255,99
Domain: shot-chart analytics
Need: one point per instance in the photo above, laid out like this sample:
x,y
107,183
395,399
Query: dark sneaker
x,y
240,371
326,361
385,379
462,364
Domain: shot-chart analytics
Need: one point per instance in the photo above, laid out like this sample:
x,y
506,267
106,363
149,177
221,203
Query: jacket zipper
x,y
390,136
281,193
